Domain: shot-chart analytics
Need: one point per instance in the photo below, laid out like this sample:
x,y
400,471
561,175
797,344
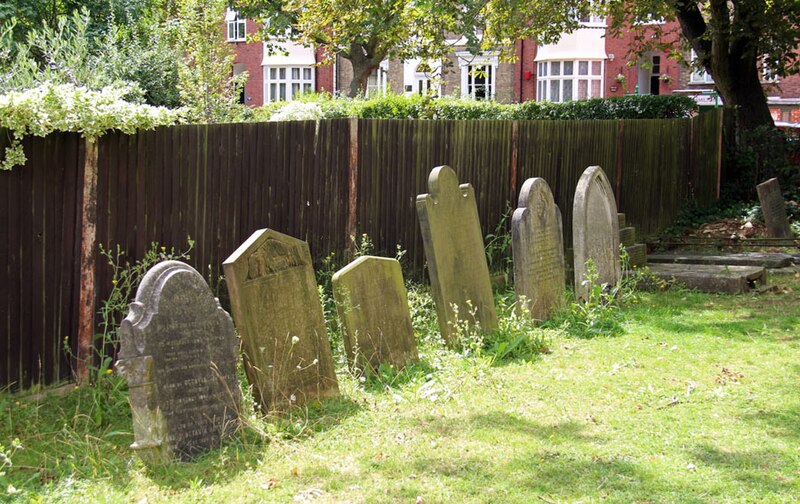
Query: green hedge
x,y
392,106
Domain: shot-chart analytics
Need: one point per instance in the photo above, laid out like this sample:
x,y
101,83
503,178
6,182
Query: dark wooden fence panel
x,y
217,184
559,152
39,270
653,166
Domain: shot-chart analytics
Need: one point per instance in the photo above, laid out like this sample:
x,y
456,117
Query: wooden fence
x,y
322,182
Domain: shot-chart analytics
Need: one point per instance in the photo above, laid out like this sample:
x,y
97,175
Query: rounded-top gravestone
x,y
178,352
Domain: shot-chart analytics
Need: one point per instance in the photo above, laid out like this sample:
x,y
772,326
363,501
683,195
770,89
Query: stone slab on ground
x,y
711,277
763,259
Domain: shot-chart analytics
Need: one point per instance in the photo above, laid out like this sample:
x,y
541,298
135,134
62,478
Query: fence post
x,y
352,190
514,160
618,181
86,304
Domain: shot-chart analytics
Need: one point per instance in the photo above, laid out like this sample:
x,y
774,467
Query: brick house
x,y
584,64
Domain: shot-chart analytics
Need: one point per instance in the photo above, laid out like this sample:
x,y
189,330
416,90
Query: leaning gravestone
x,y
178,351
538,248
774,209
451,234
595,231
373,308
278,314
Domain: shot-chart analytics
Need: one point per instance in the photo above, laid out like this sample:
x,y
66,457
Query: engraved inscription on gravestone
x,y
595,230
774,209
178,352
538,249
373,310
277,311
454,250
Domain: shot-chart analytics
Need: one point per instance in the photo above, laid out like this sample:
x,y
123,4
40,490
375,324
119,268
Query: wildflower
x,y
109,371
114,282
316,361
295,340
292,398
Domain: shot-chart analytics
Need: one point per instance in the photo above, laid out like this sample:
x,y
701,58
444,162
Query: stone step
x,y
637,255
711,277
627,236
621,219
766,260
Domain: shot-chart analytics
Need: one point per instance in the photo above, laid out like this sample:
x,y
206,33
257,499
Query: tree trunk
x,y
364,62
740,87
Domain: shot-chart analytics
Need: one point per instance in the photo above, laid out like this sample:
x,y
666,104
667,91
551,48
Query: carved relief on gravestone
x,y
774,209
373,310
178,352
454,250
595,231
278,314
538,248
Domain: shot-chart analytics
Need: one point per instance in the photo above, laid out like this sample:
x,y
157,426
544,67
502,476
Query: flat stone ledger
x,y
454,250
278,314
178,352
774,208
373,309
595,230
538,248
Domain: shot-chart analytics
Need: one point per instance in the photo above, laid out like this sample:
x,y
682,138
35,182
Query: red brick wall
x,y
525,89
324,77
251,54
627,64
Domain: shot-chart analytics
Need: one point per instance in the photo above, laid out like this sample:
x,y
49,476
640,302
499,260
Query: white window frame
x,y
295,81
378,80
590,19
699,74
470,65
237,27
545,78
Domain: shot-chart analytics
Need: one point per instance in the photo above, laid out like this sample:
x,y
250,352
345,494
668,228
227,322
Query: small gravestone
x,y
595,231
538,248
178,351
373,309
278,314
774,209
451,234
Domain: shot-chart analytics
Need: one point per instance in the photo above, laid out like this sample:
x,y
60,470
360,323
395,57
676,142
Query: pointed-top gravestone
x,y
595,231
278,314
451,234
373,309
538,248
178,351
774,209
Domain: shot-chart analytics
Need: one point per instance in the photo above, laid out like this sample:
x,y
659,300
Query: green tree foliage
x,y
208,88
366,32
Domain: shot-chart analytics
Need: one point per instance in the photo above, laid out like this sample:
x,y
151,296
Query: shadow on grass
x,y
391,378
755,468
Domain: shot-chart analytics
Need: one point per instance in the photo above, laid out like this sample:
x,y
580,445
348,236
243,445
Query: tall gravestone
x,y
595,230
178,351
277,311
373,309
454,250
774,209
538,249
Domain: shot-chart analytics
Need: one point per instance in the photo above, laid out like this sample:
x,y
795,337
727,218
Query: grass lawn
x,y
698,400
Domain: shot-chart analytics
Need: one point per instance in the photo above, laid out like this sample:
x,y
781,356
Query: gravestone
x,y
178,352
774,209
454,250
595,231
279,317
538,248
373,309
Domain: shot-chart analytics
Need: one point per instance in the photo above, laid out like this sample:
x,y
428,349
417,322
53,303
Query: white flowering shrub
x,y
65,107
298,111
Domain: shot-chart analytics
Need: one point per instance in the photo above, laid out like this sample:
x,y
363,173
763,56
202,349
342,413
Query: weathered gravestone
x,y
538,248
178,351
277,311
451,234
774,209
595,231
373,308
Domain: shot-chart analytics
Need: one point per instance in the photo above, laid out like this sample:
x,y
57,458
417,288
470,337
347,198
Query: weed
x,y
498,243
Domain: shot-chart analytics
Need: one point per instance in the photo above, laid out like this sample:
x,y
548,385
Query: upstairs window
x,y
699,74
236,27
